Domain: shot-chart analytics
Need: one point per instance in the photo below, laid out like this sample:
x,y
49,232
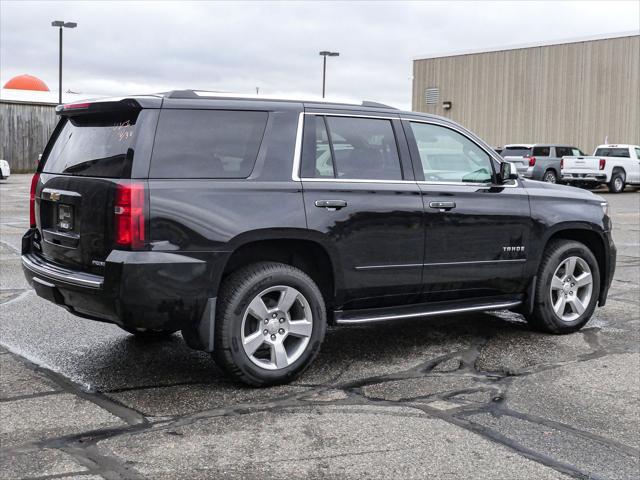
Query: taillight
x,y
602,164
532,161
76,106
32,200
129,216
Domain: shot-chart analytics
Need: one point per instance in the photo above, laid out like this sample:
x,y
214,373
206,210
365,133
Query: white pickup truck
x,y
615,165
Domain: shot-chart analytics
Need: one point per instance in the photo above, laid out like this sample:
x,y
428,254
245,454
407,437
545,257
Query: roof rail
x,y
367,103
201,94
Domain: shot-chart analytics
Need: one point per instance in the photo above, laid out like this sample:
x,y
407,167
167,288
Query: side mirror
x,y
508,171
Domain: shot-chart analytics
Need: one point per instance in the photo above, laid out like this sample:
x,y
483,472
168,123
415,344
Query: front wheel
x,y
270,322
567,288
617,183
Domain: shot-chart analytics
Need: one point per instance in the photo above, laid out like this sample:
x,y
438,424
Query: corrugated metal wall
x,y
24,131
575,93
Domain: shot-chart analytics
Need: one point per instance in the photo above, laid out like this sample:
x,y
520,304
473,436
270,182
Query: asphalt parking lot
x,y
474,396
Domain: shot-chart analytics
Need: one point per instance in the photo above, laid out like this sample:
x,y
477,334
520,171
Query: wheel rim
x,y
276,327
617,183
550,177
571,288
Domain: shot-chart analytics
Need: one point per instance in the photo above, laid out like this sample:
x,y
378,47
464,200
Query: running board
x,y
371,315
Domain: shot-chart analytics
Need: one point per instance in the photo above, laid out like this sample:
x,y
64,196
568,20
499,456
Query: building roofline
x,y
548,43
29,102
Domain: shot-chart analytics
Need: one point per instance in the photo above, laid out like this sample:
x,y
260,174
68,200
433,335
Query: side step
x,y
371,315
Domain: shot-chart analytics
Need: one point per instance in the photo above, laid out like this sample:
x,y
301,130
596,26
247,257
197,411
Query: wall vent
x,y
432,95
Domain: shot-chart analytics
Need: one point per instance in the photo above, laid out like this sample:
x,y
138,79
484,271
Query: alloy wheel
x,y
276,327
571,288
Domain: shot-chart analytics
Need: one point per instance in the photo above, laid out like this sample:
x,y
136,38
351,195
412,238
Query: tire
x,y
617,182
550,177
149,334
556,262
270,322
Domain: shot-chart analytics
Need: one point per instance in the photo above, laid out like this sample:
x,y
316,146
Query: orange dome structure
x,y
27,82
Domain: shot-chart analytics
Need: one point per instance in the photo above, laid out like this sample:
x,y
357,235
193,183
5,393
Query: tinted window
x,y
612,152
97,145
516,151
323,157
448,156
364,148
207,143
541,151
563,151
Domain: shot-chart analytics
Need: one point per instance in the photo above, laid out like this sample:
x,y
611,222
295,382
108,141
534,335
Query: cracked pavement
x,y
471,396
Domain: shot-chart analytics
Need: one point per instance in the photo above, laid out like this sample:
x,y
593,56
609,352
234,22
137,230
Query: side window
x,y
541,151
575,152
563,152
364,148
207,143
448,156
324,158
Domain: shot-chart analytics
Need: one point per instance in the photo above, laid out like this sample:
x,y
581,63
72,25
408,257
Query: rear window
x,y
96,145
612,152
515,152
207,143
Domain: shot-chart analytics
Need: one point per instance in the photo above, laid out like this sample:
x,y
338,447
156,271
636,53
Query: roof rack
x,y
201,94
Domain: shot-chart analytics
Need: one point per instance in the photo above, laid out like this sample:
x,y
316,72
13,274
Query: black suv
x,y
251,224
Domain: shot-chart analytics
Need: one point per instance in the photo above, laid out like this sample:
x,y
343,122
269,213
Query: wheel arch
x,y
593,239
297,247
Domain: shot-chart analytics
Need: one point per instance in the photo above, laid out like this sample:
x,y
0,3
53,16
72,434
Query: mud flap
x,y
207,325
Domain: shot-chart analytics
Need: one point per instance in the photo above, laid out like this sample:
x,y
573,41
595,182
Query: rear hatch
x,y
96,150
518,155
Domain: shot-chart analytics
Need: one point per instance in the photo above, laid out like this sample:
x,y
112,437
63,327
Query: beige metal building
x,y
580,92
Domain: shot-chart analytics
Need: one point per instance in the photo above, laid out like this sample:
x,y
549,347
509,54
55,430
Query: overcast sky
x,y
141,47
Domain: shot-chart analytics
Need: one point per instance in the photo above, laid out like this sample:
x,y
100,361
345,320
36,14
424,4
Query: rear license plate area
x,y
64,217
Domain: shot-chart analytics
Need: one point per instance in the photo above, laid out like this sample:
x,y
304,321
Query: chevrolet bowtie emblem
x,y
54,196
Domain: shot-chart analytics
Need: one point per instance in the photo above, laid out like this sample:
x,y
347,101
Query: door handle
x,y
331,204
442,205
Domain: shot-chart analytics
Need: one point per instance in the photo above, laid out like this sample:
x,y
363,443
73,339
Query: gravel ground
x,y
473,396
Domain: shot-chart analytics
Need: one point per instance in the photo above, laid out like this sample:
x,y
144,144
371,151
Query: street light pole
x,y
60,68
61,24
324,55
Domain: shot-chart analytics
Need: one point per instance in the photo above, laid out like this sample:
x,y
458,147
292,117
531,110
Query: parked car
x,y
251,224
5,170
613,165
539,161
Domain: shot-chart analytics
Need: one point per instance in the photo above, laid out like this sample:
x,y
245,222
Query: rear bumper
x,y
584,177
526,172
155,290
35,265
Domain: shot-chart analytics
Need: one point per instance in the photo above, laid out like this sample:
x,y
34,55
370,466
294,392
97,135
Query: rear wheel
x,y
567,288
617,183
270,323
149,333
550,177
